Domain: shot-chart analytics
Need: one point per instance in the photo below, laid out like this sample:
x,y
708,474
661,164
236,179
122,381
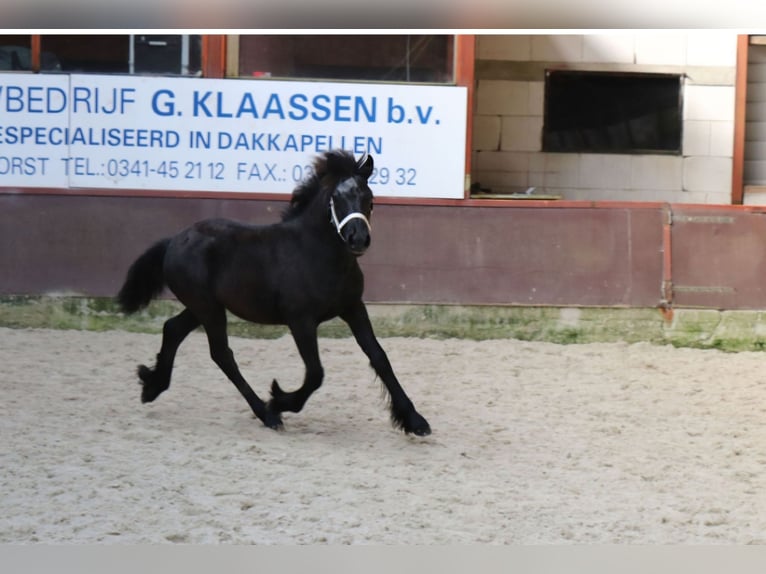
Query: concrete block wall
x,y
509,115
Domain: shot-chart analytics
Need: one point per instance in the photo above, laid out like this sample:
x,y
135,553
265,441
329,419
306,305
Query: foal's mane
x,y
328,170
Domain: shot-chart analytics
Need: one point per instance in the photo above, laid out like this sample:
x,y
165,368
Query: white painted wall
x,y
508,118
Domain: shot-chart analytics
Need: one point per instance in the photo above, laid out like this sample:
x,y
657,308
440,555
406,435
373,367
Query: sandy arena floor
x,y
532,443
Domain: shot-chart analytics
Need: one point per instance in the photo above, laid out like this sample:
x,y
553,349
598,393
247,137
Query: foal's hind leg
x,y
305,336
218,340
157,380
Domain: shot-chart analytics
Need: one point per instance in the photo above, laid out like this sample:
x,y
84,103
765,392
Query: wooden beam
x,y
36,52
740,105
213,56
464,76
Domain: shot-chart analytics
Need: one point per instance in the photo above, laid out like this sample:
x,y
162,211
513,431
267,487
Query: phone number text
x,y
121,168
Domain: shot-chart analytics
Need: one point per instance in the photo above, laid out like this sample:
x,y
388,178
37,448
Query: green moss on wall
x,y
700,328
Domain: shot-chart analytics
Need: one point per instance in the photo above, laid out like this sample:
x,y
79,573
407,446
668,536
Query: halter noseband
x,y
353,215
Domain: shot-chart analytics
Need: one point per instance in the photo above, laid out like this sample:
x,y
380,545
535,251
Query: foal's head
x,y
339,181
351,207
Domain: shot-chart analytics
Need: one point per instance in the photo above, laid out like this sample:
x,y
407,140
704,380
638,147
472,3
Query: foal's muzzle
x,y
357,236
354,230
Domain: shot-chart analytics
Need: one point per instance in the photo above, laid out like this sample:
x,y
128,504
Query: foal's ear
x,y
364,166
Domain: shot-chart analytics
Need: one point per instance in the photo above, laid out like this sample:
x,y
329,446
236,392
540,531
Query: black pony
x,y
299,272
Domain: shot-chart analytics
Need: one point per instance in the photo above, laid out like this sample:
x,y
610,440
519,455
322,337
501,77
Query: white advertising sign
x,y
34,116
191,134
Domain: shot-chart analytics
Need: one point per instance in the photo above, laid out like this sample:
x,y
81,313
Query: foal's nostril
x,y
358,240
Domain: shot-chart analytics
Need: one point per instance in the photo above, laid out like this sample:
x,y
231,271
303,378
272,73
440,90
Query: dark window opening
x,y
121,54
166,54
16,53
385,58
103,54
603,112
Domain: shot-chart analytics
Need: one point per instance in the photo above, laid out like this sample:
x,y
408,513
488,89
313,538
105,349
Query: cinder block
x,y
661,48
757,54
562,170
657,195
657,172
755,150
654,195
722,138
756,111
576,194
696,137
537,162
557,48
714,103
521,133
698,197
755,196
537,180
756,92
486,133
708,174
605,171
504,47
711,48
504,181
719,197
755,171
502,97
502,161
609,48
536,104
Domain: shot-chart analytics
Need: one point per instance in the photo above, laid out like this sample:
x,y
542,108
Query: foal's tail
x,y
145,280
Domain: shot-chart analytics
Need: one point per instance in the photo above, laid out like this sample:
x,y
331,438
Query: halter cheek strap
x,y
353,215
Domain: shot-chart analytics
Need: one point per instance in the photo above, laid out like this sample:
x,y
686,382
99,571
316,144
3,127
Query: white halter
x,y
353,215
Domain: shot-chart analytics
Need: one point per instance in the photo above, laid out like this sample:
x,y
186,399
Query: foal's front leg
x,y
403,413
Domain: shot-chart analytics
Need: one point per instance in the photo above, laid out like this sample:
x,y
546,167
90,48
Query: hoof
x,y
145,374
272,420
271,412
282,401
150,389
422,431
417,425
